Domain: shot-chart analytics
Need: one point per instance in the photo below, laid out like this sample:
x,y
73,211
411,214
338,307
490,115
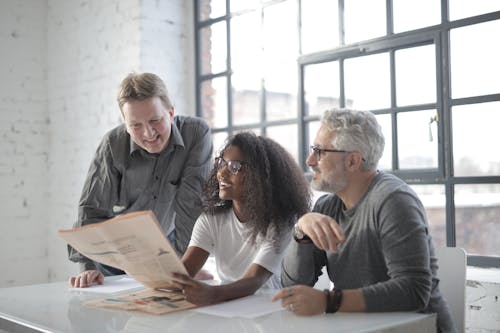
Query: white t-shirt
x,y
228,240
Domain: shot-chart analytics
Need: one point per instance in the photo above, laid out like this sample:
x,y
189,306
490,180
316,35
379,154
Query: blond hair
x,y
138,87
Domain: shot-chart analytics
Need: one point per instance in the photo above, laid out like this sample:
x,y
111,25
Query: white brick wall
x,y
92,45
24,149
168,27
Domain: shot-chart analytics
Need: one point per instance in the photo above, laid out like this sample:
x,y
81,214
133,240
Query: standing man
x,y
370,232
154,161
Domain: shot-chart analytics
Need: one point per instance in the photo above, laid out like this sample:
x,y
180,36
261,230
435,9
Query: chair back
x,y
452,262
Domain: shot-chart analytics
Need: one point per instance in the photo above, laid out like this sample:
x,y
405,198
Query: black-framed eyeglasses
x,y
233,166
317,151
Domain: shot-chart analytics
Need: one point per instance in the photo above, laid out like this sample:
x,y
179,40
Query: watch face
x,y
299,234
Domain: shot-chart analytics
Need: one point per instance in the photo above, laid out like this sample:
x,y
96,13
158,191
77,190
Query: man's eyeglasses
x,y
233,166
317,151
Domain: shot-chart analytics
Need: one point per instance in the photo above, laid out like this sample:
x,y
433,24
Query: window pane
x,y
410,15
474,139
367,82
280,57
475,68
321,87
213,48
477,215
416,75
312,128
212,9
218,140
246,62
237,5
385,162
287,136
433,198
417,140
256,131
214,102
461,9
364,20
319,18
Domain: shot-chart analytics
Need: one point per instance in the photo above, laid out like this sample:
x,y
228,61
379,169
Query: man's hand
x,y
195,291
302,300
323,230
86,279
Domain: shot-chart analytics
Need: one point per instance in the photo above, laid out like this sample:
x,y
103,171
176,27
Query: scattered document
x,y
247,307
113,286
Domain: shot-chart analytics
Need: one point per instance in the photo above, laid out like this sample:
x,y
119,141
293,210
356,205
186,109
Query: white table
x,y
53,308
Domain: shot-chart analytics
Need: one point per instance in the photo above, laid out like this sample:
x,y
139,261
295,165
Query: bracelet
x,y
334,301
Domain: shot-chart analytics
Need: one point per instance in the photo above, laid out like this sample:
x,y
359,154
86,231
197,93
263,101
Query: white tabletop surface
x,y
53,307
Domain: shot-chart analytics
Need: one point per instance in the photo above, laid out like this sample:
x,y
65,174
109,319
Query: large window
x,y
428,69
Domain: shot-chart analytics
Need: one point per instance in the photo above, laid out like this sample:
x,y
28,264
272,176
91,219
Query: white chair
x,y
452,263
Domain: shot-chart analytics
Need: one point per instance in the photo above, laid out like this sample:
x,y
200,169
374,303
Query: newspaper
x,y
132,242
149,300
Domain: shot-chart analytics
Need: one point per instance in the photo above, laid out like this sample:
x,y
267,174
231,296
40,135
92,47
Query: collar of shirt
x,y
175,141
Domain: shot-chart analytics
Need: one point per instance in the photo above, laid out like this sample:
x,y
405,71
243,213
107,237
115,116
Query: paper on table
x,y
113,286
247,307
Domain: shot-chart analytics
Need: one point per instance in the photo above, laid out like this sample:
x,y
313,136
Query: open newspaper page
x,y
149,300
132,242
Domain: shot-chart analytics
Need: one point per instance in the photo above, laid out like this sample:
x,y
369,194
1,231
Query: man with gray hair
x,y
370,232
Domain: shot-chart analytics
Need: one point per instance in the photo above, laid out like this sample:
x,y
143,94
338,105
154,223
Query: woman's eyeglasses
x,y
233,166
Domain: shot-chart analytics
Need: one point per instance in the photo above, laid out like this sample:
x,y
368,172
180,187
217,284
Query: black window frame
x,y
437,35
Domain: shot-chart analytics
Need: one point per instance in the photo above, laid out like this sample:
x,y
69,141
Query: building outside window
x,y
427,69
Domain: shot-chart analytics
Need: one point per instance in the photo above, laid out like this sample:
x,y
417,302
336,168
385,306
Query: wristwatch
x,y
299,235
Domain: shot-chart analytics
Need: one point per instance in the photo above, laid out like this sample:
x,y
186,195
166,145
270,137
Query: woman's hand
x,y
86,279
302,300
195,291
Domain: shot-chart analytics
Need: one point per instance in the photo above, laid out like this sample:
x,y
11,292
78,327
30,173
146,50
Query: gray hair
x,y
356,131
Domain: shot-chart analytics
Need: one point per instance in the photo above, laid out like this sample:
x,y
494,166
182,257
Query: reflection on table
x,y
54,308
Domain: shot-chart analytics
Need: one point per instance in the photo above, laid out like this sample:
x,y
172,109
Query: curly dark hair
x,y
276,190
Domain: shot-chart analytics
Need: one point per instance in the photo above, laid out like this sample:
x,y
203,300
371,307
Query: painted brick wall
x,y
24,148
92,45
167,48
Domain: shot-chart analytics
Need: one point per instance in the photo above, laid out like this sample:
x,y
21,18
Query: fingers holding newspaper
x,y
195,291
86,279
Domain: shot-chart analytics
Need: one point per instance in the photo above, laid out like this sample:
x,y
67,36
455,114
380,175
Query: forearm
x,y
241,288
352,301
300,265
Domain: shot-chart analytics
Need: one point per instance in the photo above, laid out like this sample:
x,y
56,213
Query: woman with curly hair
x,y
253,197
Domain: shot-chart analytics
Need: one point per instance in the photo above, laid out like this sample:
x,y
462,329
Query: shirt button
x,y
155,197
157,177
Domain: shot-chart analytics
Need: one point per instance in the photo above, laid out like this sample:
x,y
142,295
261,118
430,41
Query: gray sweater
x,y
388,252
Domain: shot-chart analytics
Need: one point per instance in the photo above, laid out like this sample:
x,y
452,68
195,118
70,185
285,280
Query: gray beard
x,y
325,186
